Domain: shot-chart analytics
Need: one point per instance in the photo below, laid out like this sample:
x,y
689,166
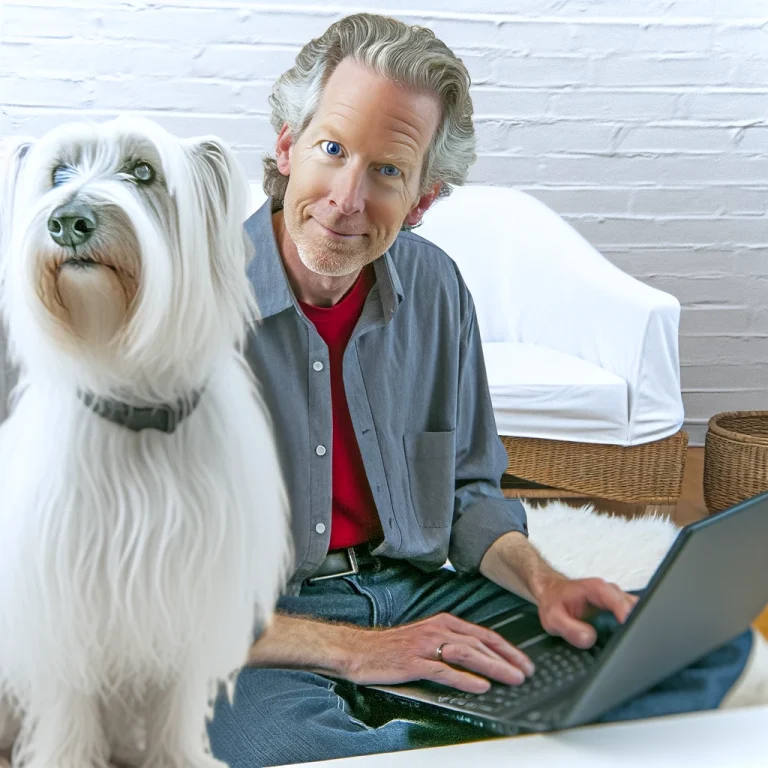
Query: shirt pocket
x,y
430,458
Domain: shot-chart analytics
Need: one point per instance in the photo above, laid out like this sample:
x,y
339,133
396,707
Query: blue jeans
x,y
282,716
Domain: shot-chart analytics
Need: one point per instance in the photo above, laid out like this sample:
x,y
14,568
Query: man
x,y
371,364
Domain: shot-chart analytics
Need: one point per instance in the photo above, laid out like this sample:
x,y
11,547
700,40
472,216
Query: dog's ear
x,y
225,195
224,181
13,150
224,188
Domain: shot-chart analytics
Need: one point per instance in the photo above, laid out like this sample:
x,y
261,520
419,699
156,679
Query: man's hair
x,y
409,55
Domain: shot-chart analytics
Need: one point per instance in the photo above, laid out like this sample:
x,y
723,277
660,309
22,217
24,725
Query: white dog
x,y
143,518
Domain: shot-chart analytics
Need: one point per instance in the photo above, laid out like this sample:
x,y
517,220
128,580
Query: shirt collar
x,y
265,271
270,283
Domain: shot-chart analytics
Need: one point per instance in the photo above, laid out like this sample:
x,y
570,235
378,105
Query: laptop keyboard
x,y
554,669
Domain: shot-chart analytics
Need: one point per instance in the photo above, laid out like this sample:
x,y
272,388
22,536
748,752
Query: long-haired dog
x,y
143,518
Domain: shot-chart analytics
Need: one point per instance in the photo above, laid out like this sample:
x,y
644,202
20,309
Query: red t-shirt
x,y
354,519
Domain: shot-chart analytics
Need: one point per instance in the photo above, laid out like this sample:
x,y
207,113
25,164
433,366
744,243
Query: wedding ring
x,y
439,653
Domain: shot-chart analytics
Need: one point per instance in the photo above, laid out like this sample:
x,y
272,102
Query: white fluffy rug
x,y
582,543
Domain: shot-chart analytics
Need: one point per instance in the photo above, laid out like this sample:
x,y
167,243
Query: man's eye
x,y
390,170
331,148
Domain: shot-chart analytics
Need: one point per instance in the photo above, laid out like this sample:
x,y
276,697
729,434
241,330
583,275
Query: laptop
x,y
708,589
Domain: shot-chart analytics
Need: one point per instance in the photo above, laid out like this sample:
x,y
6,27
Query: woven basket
x,y
648,474
735,458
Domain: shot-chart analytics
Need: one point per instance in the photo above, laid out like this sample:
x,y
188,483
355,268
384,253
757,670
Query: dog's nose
x,y
72,225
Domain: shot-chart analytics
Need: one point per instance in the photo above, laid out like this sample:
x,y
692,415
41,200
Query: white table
x,y
721,739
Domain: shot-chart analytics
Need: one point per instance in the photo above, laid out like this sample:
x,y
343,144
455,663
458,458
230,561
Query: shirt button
x,y
317,365
320,450
320,528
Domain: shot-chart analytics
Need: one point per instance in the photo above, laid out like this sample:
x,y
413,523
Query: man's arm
x,y
394,655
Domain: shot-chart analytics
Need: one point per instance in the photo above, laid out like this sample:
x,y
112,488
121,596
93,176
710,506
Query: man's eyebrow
x,y
398,159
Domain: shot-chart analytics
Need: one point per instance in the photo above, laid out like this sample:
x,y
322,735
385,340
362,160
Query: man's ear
x,y
283,150
425,201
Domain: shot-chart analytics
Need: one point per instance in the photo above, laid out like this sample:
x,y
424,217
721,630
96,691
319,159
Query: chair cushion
x,y
539,392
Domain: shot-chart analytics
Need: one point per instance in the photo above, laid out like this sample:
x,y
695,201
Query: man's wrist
x,y
543,581
346,643
514,563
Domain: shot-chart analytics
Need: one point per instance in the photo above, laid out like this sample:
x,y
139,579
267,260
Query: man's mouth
x,y
334,233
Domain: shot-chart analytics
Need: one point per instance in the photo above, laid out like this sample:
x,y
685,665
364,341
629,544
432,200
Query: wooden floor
x,y
690,506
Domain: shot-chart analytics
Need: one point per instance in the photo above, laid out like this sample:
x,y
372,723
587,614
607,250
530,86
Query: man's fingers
x,y
456,678
610,597
631,603
508,652
470,654
563,618
495,642
559,622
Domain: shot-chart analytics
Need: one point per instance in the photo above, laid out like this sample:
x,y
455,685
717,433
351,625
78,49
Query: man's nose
x,y
348,193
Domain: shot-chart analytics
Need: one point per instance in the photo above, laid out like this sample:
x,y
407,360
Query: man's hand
x,y
514,563
471,655
563,602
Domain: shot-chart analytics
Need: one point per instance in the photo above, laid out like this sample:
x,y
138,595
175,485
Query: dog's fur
x,y
134,566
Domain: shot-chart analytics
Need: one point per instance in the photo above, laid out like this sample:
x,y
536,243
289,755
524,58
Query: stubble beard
x,y
331,260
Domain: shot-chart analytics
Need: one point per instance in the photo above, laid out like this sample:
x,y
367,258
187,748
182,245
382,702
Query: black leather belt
x,y
344,562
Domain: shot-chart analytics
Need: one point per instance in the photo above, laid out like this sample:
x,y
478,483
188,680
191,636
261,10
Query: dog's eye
x,y
143,172
60,175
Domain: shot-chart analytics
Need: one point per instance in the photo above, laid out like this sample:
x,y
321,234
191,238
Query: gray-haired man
x,y
371,363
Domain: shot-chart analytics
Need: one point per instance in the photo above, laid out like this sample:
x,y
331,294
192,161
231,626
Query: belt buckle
x,y
352,561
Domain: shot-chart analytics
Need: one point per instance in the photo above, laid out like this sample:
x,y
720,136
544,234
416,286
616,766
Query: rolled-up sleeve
x,y
481,512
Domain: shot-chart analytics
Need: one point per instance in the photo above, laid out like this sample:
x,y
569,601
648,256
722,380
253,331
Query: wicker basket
x,y
649,474
735,458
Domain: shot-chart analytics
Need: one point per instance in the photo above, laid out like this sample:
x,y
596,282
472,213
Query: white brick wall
x,y
643,122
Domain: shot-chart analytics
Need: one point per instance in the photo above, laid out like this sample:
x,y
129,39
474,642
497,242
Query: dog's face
x,y
124,244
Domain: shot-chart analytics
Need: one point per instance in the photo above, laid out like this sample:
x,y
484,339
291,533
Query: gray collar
x,y
163,417
270,283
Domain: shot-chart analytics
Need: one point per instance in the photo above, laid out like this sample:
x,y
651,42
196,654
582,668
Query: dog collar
x,y
161,417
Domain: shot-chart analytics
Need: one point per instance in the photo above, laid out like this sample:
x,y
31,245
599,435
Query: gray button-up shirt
x,y
418,396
